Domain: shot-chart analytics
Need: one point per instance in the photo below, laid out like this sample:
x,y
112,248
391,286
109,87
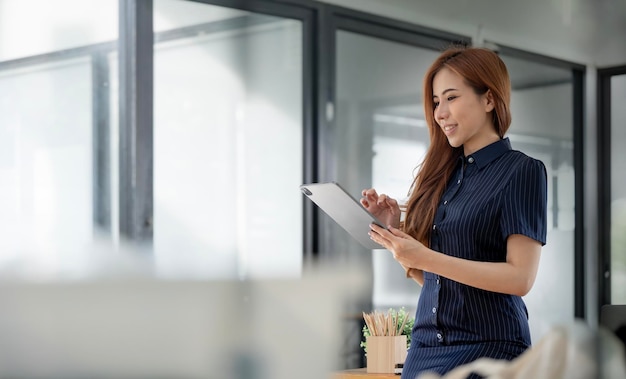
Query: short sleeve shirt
x,y
492,194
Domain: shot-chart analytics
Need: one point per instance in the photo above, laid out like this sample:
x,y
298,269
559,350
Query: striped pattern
x,y
442,359
492,194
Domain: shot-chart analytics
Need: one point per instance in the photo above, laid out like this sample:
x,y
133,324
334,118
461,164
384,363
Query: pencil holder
x,y
384,353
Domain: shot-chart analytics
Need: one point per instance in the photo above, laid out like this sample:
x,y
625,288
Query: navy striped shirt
x,y
492,194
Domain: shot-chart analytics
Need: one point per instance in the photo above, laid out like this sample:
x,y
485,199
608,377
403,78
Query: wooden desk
x,y
361,373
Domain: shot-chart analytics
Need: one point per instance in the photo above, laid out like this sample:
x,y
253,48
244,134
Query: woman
x,y
475,220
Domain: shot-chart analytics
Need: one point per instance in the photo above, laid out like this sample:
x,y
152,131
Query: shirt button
x,y
470,159
445,202
437,281
458,181
434,310
439,337
435,227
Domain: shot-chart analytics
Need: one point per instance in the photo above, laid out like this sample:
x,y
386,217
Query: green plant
x,y
398,318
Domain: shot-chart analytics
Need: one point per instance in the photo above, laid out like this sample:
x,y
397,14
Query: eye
x,y
435,104
450,98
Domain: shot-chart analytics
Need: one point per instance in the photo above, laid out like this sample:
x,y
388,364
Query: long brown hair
x,y
482,70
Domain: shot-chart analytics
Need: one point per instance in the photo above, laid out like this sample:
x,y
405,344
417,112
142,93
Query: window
x,y
227,142
544,127
612,185
52,161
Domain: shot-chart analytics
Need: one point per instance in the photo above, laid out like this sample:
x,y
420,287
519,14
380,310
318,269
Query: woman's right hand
x,y
383,207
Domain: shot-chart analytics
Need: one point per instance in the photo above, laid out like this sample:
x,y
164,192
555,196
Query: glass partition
x,y
52,115
618,190
379,139
228,142
542,127
30,28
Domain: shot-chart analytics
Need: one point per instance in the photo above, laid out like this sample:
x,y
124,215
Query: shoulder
x,y
520,156
515,171
526,173
520,162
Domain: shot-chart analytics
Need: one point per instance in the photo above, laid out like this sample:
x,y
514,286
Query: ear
x,y
489,101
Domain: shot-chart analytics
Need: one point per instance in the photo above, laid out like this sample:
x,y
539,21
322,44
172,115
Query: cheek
x,y
471,114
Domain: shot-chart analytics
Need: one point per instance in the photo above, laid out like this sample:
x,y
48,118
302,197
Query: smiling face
x,y
464,116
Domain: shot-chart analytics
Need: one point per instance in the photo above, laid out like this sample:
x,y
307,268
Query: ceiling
x,y
526,74
582,31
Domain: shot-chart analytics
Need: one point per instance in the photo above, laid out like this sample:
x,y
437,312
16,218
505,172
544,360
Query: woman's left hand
x,y
408,251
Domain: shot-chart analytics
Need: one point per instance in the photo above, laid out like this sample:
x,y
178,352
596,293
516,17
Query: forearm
x,y
415,274
503,277
515,276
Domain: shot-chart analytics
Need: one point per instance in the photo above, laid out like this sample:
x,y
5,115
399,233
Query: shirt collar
x,y
489,153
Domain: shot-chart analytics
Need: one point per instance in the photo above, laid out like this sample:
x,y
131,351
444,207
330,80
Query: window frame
x,y
604,180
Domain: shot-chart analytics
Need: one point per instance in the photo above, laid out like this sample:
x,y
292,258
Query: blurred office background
x,y
177,132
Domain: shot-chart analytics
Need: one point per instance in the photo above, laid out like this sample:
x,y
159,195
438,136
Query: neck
x,y
477,145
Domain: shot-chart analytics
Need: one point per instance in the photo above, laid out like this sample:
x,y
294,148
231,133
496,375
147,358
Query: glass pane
x,y
541,105
45,164
33,27
227,142
618,190
380,127
379,139
51,106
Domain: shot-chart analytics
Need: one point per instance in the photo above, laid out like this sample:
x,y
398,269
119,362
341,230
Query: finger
x,y
370,194
398,233
379,239
375,227
368,191
366,198
382,200
386,234
392,202
388,202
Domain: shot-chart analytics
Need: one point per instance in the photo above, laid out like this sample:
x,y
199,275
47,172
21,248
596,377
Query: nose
x,y
441,113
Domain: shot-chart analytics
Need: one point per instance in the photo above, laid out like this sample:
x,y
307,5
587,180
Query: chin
x,y
454,143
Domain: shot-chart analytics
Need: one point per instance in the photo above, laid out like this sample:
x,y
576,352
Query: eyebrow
x,y
446,91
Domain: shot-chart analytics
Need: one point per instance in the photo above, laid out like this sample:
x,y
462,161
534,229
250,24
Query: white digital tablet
x,y
344,210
